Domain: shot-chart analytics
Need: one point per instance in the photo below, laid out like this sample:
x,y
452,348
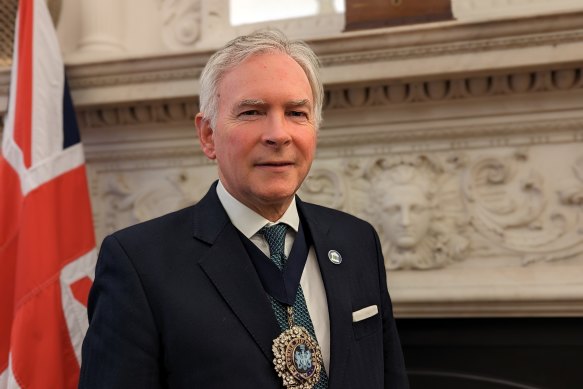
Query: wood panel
x,y
363,14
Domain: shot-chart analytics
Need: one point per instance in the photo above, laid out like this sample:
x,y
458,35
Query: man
x,y
251,287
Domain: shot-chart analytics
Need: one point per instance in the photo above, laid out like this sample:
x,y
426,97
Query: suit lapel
x,y
335,280
230,270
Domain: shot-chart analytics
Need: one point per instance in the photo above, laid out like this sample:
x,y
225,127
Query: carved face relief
x,y
406,215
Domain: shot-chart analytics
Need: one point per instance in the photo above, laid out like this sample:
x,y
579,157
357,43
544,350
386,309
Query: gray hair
x,y
243,47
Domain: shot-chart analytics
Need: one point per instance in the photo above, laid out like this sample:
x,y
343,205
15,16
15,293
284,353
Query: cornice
x,y
136,70
361,57
374,97
331,145
450,48
465,133
502,32
566,307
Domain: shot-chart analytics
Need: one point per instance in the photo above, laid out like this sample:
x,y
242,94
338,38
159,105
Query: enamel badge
x,y
298,359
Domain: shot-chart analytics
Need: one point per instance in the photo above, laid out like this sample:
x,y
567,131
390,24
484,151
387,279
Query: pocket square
x,y
364,313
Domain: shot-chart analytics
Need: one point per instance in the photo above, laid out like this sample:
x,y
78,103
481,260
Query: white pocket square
x,y
364,313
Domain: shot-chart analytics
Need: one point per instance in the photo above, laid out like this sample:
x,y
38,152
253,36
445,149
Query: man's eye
x,y
298,114
252,112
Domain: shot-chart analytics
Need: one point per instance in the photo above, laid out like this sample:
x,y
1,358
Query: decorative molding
x,y
135,78
510,207
181,23
433,210
460,88
465,136
140,114
452,48
377,95
481,9
414,203
471,308
381,142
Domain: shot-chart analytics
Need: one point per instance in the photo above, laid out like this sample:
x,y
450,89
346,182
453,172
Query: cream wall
x,y
462,141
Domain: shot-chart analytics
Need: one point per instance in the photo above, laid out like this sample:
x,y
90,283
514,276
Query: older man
x,y
251,287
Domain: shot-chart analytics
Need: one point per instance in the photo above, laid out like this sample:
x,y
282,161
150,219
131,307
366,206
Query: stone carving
x,y
373,95
415,208
504,7
138,77
450,89
158,112
132,199
514,213
571,191
440,49
181,23
324,187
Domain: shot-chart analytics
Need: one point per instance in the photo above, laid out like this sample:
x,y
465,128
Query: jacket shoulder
x,y
334,216
177,222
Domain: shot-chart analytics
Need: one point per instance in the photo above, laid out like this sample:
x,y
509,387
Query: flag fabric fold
x,y
47,243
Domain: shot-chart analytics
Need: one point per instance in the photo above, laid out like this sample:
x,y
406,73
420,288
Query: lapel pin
x,y
335,257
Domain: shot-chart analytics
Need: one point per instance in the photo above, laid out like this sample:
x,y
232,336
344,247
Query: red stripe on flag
x,y
81,289
56,228
10,206
53,228
42,353
23,95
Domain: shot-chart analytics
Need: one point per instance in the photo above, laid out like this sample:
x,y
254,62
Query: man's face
x,y
265,137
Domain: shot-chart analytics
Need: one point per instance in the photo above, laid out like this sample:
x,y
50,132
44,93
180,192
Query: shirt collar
x,y
248,221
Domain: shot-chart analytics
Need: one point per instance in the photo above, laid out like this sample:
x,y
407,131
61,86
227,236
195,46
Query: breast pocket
x,y
366,321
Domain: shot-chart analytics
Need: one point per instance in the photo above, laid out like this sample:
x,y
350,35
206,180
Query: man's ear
x,y
205,136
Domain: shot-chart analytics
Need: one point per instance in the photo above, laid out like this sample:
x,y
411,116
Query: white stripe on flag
x,y
7,380
48,86
58,164
4,379
75,312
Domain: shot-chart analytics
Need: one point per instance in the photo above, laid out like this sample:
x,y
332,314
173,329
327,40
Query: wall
x,y
461,141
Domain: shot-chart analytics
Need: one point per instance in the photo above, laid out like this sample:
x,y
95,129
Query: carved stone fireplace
x,y
461,141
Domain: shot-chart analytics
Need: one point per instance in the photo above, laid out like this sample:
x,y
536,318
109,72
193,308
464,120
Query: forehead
x,y
266,74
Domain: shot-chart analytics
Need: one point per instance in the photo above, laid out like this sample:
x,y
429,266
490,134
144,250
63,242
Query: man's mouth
x,y
275,163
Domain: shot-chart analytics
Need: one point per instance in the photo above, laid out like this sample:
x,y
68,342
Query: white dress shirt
x,y
249,223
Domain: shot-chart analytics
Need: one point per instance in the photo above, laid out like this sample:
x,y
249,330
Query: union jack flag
x,y
47,242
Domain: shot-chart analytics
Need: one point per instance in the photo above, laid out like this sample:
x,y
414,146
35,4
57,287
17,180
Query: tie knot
x,y
275,237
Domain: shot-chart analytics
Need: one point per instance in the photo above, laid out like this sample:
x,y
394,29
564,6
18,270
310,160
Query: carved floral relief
x,y
433,211
181,23
414,203
131,197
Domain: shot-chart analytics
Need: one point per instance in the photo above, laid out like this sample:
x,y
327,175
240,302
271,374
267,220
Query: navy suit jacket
x,y
177,303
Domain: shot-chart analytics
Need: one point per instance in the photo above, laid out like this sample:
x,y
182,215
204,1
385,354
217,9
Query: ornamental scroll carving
x,y
431,210
442,209
514,211
133,198
181,23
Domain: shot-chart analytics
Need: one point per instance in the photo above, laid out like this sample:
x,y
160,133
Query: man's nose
x,y
276,131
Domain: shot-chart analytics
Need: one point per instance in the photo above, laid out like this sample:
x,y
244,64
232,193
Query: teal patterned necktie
x,y
275,237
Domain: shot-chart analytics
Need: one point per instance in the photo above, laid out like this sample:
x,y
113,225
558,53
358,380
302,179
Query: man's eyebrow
x,y
262,103
299,103
251,102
